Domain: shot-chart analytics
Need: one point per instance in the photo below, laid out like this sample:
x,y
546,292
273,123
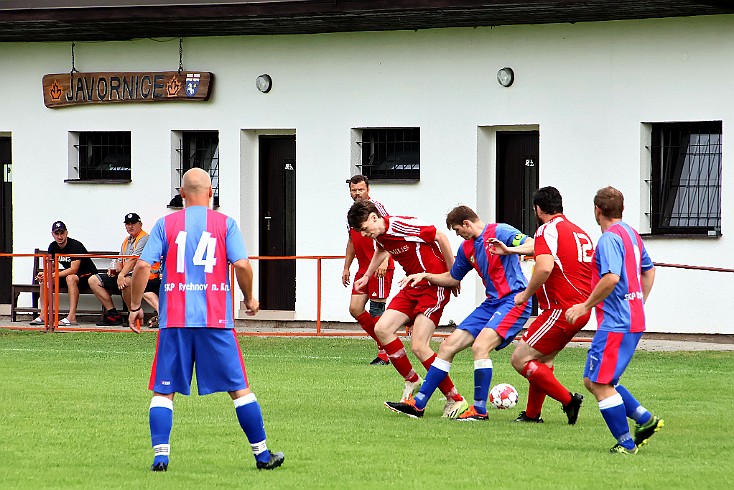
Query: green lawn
x,y
74,414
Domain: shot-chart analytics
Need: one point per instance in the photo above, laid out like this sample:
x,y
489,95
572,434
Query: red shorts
x,y
378,287
550,332
428,300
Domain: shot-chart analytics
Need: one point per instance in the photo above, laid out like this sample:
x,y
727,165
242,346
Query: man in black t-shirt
x,y
75,273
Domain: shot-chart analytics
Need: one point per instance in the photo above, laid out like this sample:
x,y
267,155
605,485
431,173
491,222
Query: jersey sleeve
x,y
610,254
154,245
645,260
509,235
235,242
461,265
541,247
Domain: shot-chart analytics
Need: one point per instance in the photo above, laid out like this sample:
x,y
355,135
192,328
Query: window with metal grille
x,y
104,155
686,178
390,153
200,149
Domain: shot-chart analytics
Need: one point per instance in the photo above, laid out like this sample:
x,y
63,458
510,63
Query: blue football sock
x,y
482,380
161,422
251,420
436,373
612,409
632,407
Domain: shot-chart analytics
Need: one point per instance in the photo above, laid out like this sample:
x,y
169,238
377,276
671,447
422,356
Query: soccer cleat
x,y
276,459
523,417
411,389
573,407
643,432
408,408
37,321
454,408
620,449
110,319
471,415
160,466
378,361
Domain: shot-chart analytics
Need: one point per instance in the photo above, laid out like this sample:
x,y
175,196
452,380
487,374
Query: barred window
x,y
102,156
390,153
686,178
200,149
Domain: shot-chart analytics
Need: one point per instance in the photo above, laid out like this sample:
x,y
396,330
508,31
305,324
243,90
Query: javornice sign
x,y
68,89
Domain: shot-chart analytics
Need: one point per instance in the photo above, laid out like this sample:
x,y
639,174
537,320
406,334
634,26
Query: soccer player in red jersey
x,y
561,278
378,287
195,316
418,247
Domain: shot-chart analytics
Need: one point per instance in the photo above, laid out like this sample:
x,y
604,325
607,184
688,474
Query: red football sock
x,y
382,355
367,323
398,358
446,386
541,376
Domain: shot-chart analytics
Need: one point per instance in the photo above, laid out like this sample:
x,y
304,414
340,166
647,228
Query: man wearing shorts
x,y
561,278
74,274
492,325
117,279
417,247
195,318
378,287
622,277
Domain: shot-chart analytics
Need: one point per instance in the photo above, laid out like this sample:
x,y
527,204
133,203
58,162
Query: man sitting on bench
x,y
117,279
74,275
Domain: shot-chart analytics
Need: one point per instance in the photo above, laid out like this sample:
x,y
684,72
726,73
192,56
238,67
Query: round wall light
x,y
264,83
505,76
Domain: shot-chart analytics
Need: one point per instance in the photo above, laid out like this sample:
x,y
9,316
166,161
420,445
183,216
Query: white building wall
x,y
588,87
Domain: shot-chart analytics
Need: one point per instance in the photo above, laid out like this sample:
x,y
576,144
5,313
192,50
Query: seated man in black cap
x,y
117,279
75,273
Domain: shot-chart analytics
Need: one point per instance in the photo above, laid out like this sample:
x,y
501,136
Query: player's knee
x,y
480,351
355,311
518,361
72,280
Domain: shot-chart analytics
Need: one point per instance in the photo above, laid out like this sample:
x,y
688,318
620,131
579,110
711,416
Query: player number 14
x,y
204,254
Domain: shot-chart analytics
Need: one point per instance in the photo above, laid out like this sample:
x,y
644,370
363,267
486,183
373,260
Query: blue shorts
x,y
501,316
609,355
214,351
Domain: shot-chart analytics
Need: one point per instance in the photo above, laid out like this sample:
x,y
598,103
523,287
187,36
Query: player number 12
x,y
206,247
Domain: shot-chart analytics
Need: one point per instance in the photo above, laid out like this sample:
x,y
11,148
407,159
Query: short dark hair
x,y
548,199
460,213
359,212
610,201
356,179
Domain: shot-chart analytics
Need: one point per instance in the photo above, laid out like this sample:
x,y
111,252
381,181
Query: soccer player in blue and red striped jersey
x,y
622,277
493,324
195,318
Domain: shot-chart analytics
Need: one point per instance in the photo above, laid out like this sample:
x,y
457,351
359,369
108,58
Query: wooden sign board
x,y
69,89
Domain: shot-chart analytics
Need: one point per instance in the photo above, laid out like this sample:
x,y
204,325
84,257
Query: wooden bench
x,y
35,289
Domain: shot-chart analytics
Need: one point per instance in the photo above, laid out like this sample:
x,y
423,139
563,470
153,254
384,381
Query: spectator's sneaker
x,y
408,408
454,408
523,417
643,432
276,459
573,407
378,361
411,389
471,415
110,318
620,449
37,321
160,466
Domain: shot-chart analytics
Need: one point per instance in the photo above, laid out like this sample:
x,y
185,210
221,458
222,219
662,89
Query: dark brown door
x,y
277,222
517,178
6,220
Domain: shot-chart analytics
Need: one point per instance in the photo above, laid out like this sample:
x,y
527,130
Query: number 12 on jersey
x,y
204,255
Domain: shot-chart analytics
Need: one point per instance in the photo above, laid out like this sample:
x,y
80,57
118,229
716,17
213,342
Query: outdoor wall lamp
x,y
505,76
264,83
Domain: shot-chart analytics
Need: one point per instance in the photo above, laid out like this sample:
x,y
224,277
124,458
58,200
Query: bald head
x,y
197,187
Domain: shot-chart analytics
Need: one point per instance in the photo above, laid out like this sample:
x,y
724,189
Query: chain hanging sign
x,y
76,88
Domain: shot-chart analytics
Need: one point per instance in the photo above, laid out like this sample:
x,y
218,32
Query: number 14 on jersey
x,y
205,253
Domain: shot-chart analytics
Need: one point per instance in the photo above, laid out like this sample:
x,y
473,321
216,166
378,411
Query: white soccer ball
x,y
503,396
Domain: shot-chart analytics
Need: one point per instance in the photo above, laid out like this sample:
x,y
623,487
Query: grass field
x,y
73,414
